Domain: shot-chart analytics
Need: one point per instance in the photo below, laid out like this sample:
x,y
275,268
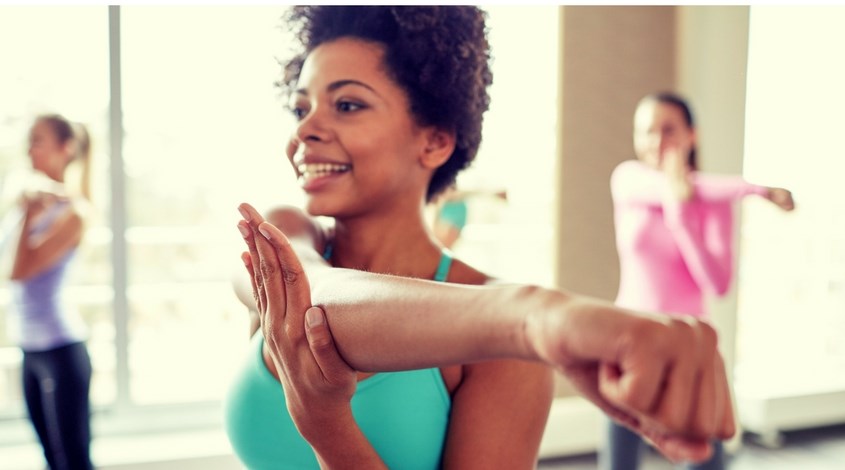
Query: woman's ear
x,y
439,145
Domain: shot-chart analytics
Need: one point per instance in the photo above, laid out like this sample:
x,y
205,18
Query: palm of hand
x,y
318,384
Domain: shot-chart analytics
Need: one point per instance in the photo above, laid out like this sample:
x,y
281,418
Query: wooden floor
x,y
813,449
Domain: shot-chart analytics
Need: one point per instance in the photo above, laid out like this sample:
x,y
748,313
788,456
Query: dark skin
x,y
367,163
635,367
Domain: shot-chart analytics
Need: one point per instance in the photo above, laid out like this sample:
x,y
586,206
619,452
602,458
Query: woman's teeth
x,y
316,170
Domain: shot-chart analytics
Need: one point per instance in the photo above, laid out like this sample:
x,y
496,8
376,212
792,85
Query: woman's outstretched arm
x,y
660,376
633,182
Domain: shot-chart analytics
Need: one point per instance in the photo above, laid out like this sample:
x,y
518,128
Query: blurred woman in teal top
x,y
389,104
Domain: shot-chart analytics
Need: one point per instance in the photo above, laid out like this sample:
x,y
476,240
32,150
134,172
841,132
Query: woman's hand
x,y
677,172
35,202
782,198
318,384
663,377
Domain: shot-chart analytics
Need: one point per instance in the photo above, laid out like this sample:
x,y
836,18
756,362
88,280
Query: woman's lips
x,y
314,176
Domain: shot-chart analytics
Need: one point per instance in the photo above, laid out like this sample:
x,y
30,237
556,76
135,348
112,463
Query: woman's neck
x,y
395,244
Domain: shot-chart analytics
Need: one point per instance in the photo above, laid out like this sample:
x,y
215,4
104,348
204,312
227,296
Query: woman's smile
x,y
313,176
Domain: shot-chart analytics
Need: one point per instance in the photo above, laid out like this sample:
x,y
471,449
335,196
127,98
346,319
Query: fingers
x,y
682,381
298,291
681,449
633,387
328,359
673,381
255,274
586,379
247,259
278,277
708,414
270,273
726,426
250,215
713,413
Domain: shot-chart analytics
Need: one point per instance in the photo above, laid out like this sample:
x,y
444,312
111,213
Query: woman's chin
x,y
318,207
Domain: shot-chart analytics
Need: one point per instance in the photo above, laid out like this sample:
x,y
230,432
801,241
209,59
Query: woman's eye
x,y
298,112
348,106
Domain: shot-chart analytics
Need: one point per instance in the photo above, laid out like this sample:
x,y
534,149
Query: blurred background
x,y
186,123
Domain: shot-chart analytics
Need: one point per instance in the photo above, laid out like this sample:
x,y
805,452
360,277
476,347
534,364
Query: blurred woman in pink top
x,y
674,233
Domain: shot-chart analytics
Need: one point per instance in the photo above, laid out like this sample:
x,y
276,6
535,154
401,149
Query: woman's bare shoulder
x,y
463,273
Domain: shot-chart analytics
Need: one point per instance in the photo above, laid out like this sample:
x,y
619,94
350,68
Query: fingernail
x,y
266,232
245,259
245,214
314,317
244,230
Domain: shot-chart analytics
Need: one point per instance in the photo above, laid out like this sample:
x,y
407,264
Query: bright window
x,y
792,287
55,59
514,240
203,129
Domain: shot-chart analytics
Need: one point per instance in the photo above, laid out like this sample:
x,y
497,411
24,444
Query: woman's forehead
x,y
342,59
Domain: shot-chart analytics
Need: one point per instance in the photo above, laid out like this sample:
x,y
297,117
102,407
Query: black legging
x,y
55,385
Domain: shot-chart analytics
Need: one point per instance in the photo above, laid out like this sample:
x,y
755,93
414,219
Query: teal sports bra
x,y
405,415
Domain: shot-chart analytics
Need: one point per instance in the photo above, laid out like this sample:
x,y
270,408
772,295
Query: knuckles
x,y
291,276
268,270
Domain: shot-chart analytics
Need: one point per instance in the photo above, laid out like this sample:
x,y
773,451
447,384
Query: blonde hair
x,y
67,131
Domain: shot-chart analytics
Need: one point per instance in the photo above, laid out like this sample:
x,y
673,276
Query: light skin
x,y
663,140
370,165
35,254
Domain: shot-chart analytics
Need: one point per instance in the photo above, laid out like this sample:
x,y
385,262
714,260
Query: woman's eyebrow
x,y
340,84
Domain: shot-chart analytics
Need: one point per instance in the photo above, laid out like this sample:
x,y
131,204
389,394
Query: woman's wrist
x,y
322,424
340,443
541,310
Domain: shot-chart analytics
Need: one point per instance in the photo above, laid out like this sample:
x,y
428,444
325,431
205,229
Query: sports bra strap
x,y
443,268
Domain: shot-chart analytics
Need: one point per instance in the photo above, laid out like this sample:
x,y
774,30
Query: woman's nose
x,y
313,127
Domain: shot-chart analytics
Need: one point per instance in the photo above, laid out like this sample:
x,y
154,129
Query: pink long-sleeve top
x,y
672,252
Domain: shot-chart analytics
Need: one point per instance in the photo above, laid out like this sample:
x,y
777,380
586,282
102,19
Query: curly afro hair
x,y
438,54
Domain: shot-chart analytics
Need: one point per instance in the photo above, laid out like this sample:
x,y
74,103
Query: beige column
x,y
611,57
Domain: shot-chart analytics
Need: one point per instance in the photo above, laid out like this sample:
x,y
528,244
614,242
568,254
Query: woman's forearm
x,y
639,368
706,250
384,322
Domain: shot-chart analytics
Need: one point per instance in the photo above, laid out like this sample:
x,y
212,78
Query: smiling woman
x,y
389,104
377,139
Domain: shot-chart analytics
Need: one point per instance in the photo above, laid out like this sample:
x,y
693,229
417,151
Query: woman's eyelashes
x,y
348,106
342,106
